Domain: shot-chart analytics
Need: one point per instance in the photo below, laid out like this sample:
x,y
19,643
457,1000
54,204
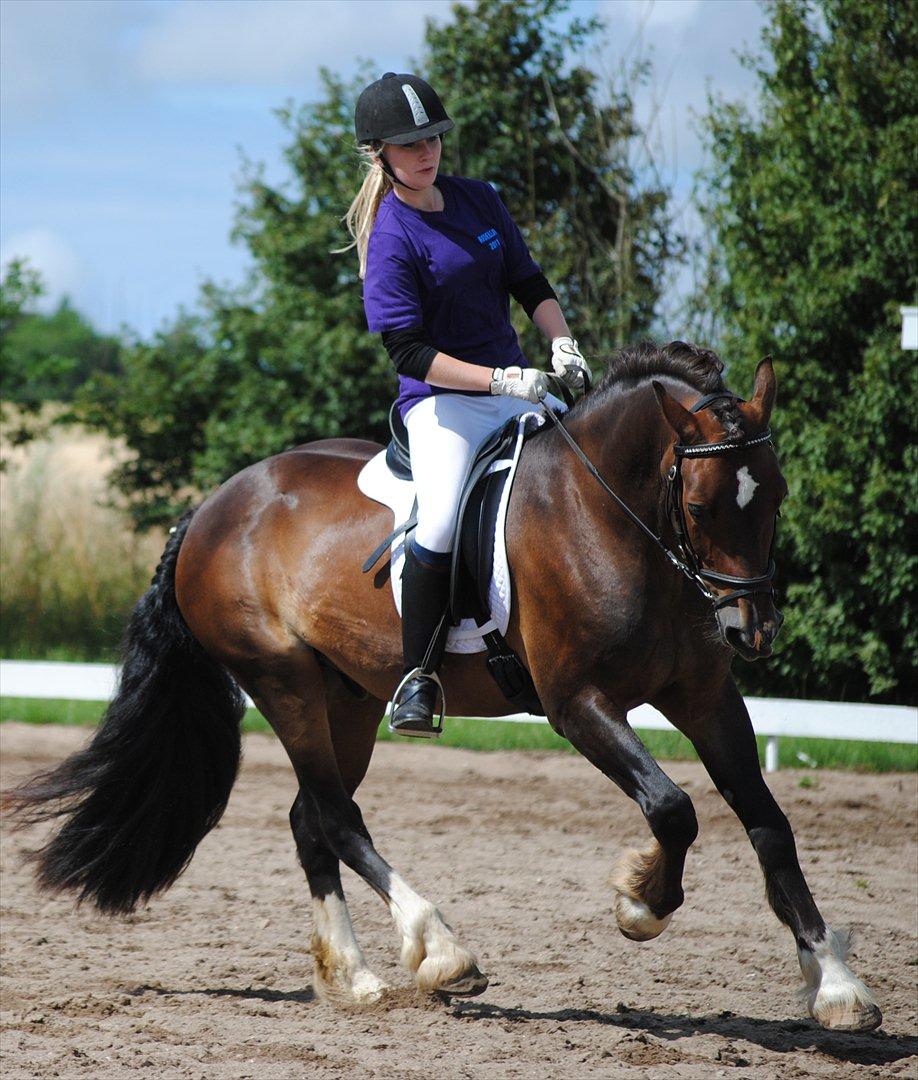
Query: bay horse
x,y
261,588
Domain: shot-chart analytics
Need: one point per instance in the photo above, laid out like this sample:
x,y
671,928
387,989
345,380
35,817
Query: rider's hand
x,y
568,362
527,384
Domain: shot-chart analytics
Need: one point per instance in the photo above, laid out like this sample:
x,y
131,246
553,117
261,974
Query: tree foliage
x,y
557,142
43,357
813,211
288,358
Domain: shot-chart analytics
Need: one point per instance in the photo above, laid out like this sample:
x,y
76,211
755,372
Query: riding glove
x,y
527,384
568,362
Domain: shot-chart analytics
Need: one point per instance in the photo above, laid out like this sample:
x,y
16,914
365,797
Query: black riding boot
x,y
425,594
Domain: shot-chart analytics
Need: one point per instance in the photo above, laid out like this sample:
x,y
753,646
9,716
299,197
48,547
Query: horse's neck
x,y
624,436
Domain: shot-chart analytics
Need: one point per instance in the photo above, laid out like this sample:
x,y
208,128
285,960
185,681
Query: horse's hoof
x,y
836,998
470,984
359,989
843,1014
635,919
368,989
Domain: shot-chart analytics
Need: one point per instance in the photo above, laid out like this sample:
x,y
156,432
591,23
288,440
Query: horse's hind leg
x,y
295,704
648,884
340,973
330,750
723,735
430,949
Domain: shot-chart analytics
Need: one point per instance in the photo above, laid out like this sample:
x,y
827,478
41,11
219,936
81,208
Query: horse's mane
x,y
634,365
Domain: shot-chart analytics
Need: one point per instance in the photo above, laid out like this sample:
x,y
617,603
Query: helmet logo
x,y
417,109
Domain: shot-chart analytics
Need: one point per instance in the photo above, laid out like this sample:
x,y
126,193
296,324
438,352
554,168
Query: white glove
x,y
568,362
527,384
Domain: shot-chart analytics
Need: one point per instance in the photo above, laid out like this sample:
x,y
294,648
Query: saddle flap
x,y
499,445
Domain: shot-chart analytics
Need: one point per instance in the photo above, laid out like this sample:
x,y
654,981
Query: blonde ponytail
x,y
361,213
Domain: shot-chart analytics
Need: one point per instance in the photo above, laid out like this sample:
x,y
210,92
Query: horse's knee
x,y
672,819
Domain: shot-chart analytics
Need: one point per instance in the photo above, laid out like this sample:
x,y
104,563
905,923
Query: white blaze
x,y
746,487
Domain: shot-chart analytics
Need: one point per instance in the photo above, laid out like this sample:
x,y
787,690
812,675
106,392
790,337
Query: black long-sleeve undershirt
x,y
531,291
411,352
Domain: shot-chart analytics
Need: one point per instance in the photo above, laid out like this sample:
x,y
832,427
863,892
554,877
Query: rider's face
x,y
415,164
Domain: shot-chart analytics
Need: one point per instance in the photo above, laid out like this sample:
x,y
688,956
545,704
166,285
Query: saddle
x,y
473,550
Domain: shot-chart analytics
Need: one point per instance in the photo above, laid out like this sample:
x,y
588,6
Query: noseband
x,y
689,563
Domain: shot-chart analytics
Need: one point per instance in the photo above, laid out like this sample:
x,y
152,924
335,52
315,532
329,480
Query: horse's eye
x,y
696,510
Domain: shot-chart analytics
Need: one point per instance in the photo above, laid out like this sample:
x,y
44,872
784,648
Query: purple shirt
x,y
448,272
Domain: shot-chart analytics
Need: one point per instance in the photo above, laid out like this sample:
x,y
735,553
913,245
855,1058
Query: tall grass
x,y
71,568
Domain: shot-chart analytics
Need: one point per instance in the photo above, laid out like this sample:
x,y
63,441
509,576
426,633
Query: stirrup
x,y
432,732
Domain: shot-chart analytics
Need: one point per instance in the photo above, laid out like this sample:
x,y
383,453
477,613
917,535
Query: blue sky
x,y
123,121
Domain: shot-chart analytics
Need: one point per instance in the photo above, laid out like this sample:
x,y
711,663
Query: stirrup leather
x,y
413,674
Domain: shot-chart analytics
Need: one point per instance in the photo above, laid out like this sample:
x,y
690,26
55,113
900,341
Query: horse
x,y
638,573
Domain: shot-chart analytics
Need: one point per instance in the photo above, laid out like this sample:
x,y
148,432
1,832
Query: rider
x,y
440,257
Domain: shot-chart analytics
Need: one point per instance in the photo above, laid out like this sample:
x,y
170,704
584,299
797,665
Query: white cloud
x,y
692,45
274,41
61,269
51,51
56,54
658,14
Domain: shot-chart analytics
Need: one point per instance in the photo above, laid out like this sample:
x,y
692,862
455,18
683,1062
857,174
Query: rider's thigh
x,y
444,431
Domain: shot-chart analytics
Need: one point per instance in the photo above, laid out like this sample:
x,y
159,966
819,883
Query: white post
x,y
771,753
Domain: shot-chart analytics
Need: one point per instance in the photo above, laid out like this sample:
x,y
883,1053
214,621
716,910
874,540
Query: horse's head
x,y
725,488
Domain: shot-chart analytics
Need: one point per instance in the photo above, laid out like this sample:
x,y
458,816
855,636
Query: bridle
x,y
689,562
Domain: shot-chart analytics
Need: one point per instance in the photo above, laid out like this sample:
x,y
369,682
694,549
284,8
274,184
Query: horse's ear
x,y
758,409
680,419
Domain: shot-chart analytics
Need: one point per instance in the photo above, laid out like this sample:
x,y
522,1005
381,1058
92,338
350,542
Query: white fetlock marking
x,y
835,996
429,947
635,918
341,973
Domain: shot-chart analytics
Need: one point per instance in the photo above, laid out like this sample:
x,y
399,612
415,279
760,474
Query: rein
x,y
689,563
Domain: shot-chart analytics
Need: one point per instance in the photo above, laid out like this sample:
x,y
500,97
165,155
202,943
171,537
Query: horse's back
x,y
262,551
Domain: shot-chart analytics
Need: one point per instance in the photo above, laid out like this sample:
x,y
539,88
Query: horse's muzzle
x,y
750,634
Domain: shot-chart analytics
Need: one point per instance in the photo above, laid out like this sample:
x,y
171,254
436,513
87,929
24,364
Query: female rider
x,y
440,257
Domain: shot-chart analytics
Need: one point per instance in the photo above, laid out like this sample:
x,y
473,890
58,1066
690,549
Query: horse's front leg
x,y
721,731
648,883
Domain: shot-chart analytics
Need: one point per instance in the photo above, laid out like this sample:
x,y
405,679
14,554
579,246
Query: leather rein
x,y
687,560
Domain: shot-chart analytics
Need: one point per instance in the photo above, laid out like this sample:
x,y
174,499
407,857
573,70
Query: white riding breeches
x,y
444,431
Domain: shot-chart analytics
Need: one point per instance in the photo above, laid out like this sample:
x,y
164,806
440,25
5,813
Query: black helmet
x,y
399,109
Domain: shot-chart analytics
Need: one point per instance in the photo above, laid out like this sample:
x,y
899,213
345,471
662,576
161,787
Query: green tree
x,y
284,359
19,288
47,357
287,358
43,357
812,207
556,141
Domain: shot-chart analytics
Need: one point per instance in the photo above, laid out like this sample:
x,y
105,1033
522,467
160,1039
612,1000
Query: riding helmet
x,y
399,109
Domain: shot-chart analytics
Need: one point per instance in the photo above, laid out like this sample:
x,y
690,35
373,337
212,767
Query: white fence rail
x,y
771,717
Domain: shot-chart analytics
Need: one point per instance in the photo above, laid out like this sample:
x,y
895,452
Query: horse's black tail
x,y
157,774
